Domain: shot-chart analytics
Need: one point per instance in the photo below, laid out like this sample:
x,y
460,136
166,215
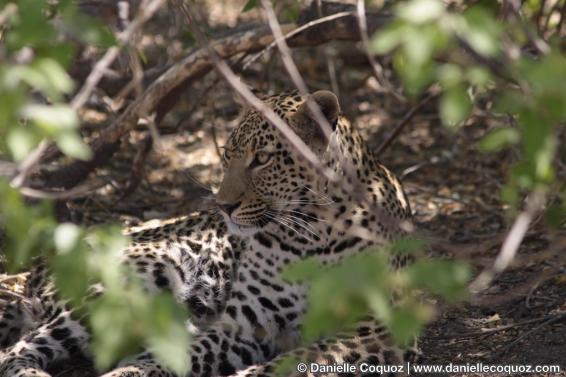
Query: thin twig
x,y
538,15
555,318
259,105
511,244
138,167
562,15
403,122
292,69
25,167
330,64
146,11
75,192
387,220
294,32
541,46
163,92
492,330
377,69
7,12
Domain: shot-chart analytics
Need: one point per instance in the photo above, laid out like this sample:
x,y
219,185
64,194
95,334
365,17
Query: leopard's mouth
x,y
247,227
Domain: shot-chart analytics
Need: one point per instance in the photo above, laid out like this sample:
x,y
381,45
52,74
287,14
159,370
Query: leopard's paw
x,y
14,366
143,370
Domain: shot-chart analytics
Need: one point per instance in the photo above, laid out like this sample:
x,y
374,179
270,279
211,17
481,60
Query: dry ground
x,y
454,191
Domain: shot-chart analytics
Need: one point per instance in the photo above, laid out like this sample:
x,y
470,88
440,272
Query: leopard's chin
x,y
240,229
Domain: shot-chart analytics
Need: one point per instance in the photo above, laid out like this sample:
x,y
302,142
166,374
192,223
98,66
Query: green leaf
x,y
407,244
481,31
52,119
405,326
543,162
86,28
70,267
66,237
415,77
455,105
251,4
286,366
478,76
499,138
421,11
30,27
380,303
21,141
72,145
446,278
305,270
169,339
107,245
28,230
384,41
116,330
58,81
420,44
292,13
555,215
450,75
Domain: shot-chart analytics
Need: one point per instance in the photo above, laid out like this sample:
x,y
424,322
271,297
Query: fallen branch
x,y
492,330
292,69
78,191
534,204
403,122
377,69
255,102
147,9
163,93
552,319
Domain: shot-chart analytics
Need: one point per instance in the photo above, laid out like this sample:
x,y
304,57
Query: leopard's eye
x,y
225,155
260,158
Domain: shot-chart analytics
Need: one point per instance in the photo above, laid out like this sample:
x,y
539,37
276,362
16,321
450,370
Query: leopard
x,y
274,207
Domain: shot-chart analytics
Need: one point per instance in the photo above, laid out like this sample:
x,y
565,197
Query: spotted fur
x,y
276,209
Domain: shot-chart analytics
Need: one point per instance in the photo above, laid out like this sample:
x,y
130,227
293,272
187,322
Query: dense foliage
x,y
480,55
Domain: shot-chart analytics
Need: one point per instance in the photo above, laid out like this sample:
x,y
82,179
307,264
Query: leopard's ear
x,y
304,121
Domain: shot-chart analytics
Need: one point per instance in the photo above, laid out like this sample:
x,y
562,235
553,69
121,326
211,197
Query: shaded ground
x,y
453,188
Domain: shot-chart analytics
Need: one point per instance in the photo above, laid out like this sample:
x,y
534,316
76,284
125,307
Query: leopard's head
x,y
265,177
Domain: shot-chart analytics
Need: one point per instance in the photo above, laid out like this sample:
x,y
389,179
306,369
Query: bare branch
x,y
163,93
553,318
292,69
295,32
76,192
25,167
541,46
403,122
7,12
561,20
259,105
147,9
377,69
534,204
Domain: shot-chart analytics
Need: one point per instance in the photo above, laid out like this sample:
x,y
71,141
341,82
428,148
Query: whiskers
x,y
294,223
318,200
302,215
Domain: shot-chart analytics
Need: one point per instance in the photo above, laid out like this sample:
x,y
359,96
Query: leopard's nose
x,y
228,208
